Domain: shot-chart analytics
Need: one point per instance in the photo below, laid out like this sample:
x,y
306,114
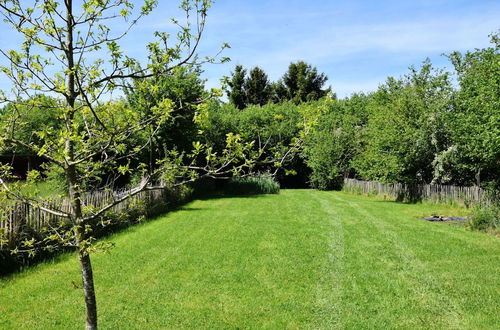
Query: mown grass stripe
x,y
330,287
426,292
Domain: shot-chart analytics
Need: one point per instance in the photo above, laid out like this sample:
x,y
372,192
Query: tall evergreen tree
x,y
257,87
236,90
279,92
303,83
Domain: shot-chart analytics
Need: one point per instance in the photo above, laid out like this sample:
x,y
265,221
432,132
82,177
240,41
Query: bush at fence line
x,y
353,189
485,218
467,201
357,190
260,184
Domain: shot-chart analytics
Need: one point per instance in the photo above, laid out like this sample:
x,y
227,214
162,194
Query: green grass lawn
x,y
300,259
43,189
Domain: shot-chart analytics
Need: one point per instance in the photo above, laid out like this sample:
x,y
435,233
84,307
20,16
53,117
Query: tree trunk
x,y
88,290
72,177
83,255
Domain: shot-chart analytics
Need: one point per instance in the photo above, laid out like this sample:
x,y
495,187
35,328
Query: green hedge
x,y
253,185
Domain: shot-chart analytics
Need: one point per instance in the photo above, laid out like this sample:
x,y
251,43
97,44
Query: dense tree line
x,y
427,126
419,128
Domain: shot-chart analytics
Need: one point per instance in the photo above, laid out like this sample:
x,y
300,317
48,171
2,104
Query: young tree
x,y
62,54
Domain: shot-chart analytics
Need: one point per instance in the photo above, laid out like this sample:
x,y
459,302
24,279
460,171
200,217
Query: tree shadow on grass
x,y
230,196
11,264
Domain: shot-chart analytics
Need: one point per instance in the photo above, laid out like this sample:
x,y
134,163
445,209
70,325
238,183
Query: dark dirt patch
x,y
444,218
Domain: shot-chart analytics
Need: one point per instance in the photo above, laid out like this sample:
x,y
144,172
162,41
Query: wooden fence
x,y
415,192
22,218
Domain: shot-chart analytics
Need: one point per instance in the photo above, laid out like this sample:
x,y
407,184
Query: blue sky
x,y
357,43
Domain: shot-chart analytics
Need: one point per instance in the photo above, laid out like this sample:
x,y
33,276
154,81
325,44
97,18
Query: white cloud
x,y
338,42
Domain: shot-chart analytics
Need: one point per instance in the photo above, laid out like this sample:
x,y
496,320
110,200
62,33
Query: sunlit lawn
x,y
300,259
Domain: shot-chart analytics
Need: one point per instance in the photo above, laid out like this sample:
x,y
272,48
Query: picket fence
x,y
20,217
414,192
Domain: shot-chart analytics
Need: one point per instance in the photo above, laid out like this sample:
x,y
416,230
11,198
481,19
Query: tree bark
x,y
83,255
88,290
72,177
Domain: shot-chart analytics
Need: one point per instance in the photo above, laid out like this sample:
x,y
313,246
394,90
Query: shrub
x,y
261,184
485,218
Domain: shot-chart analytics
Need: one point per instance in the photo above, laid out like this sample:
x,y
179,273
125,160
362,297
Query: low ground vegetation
x,y
253,185
486,219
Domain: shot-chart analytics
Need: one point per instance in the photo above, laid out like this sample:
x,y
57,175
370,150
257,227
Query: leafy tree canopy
x,y
303,83
476,117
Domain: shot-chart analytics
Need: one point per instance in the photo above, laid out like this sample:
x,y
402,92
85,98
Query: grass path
x,y
300,259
